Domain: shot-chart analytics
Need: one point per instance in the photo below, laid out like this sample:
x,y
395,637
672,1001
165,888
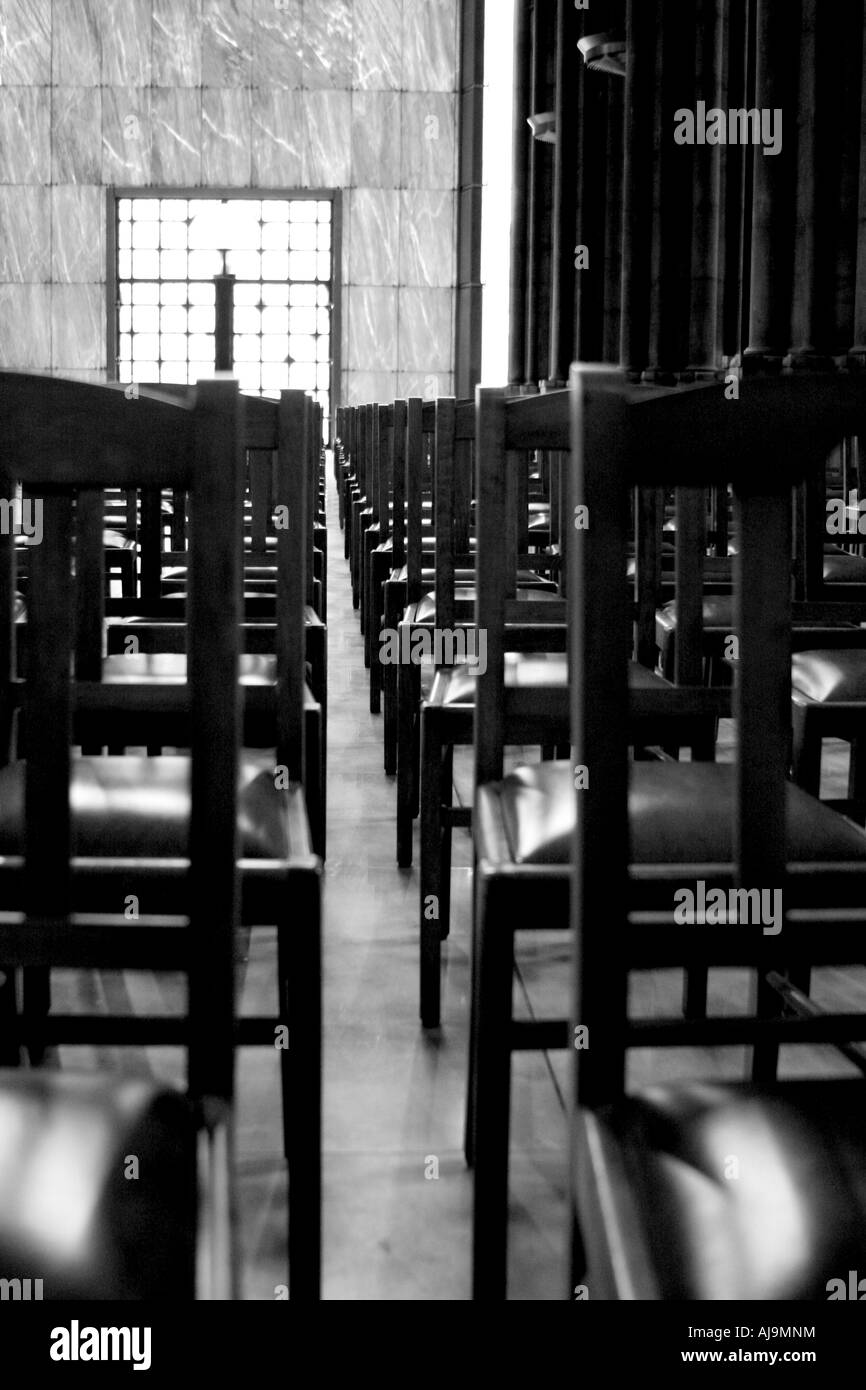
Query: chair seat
x,y
258,673
830,676
461,576
718,612
680,1223
311,617
141,668
679,813
116,540
69,1214
428,576
138,808
844,569
455,685
425,610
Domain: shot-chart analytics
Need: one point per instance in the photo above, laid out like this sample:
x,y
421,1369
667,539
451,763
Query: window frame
x,y
332,195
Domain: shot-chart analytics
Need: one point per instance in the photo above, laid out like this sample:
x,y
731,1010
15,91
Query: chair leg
x,y
857,777
357,542
36,1005
371,540
416,741
470,1121
313,780
446,800
378,568
492,1097
394,592
300,969
765,1055
405,720
806,750
695,984
10,1051
431,896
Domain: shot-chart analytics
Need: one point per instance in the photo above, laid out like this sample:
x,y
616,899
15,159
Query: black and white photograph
x,y
432,673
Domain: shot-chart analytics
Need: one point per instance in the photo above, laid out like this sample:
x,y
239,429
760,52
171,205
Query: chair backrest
x,y
505,429
63,439
693,437
420,420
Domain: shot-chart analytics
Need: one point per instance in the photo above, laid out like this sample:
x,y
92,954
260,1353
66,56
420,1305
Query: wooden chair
x,y
151,647
451,601
67,1138
129,814
656,1214
535,680
524,823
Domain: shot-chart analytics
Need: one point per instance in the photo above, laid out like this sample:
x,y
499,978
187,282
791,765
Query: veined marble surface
x,y
175,126
25,234
177,43
76,135
356,95
426,327
372,320
427,238
226,57
77,326
225,154
126,147
25,44
378,46
278,145
374,243
78,214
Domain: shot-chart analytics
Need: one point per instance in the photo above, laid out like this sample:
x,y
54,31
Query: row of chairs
x,y
600,843
154,862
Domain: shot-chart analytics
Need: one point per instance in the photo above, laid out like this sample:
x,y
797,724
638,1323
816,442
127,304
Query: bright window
x,y
280,251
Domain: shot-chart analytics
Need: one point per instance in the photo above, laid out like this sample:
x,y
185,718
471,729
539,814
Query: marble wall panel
x,y
348,94
326,127
77,326
25,340
377,59
176,135
76,135
430,45
427,238
78,215
126,152
361,388
328,41
25,233
76,46
126,42
425,318
277,138
96,376
372,315
225,155
24,134
428,145
376,139
427,385
25,44
177,43
277,44
226,43
375,237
